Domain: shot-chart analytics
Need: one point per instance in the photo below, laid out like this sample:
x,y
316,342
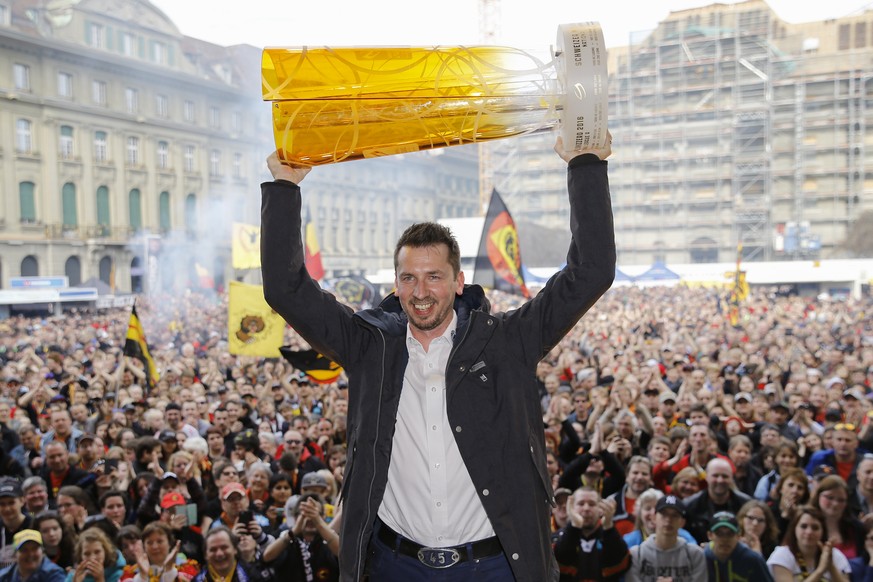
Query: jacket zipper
x,y
361,558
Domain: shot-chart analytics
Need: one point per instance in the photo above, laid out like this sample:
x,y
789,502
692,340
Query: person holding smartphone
x,y
174,514
238,517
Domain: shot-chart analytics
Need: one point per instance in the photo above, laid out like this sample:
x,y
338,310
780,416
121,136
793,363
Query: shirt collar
x,y
448,335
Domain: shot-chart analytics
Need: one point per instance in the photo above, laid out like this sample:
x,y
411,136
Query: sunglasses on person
x,y
845,426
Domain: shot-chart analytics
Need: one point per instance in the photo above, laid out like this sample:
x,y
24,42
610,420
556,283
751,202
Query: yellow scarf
x,y
216,577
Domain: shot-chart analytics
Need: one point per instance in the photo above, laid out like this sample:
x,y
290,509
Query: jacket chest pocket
x,y
480,374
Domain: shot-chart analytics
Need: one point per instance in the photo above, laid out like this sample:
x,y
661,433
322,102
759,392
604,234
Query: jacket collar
x,y
390,317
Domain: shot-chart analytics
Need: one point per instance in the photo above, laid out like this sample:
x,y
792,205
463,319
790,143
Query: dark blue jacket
x,y
48,572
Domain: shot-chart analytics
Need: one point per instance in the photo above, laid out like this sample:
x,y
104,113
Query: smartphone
x,y
191,514
111,464
246,517
280,512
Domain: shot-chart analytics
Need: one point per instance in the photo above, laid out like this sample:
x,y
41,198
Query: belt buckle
x,y
438,557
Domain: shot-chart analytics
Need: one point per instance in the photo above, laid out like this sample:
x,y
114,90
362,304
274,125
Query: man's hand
x,y
607,508
568,155
285,171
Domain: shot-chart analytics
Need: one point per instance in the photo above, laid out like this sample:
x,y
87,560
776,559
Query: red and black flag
x,y
135,346
498,263
312,252
321,369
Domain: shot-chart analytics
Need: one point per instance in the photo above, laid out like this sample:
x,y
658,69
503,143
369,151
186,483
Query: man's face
x,y
174,418
739,455
845,442
4,413
639,477
865,476
586,505
220,552
29,557
189,410
770,437
724,540
659,452
10,510
57,458
235,504
220,419
36,498
427,286
719,479
699,438
215,442
61,423
233,412
294,442
669,521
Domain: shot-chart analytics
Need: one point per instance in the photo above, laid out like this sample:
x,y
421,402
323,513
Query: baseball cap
x,y
781,404
24,536
855,393
742,396
313,480
167,436
667,395
172,499
169,475
86,437
562,492
670,502
834,380
10,487
232,488
724,519
822,471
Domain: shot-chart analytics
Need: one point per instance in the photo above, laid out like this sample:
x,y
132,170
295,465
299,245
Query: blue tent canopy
x,y
658,272
622,276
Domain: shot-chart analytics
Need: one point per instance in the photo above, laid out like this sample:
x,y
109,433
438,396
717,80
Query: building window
x,y
860,34
164,211
21,75
27,202
65,85
191,214
159,53
96,35
29,266
162,107
131,100
237,166
100,146
163,155
98,92
215,118
68,203
23,137
65,146
188,111
128,44
4,15
135,205
189,158
215,163
132,151
103,209
843,38
236,121
73,271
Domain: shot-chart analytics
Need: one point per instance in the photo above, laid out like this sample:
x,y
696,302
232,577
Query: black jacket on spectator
x,y
700,509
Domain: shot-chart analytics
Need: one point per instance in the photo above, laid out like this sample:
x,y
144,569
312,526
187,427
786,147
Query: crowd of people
x,y
678,446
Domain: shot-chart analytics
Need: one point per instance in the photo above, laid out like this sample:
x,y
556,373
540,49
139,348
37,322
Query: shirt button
x,y
439,503
485,492
433,427
436,465
514,556
457,429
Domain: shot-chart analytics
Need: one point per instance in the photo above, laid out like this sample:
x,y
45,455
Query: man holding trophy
x,y
446,476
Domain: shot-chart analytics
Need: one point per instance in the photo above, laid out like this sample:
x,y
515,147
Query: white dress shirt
x,y
430,497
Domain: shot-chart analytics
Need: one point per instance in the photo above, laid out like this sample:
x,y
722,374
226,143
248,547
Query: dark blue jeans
x,y
385,564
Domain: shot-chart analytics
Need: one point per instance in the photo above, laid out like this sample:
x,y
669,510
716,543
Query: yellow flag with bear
x,y
254,329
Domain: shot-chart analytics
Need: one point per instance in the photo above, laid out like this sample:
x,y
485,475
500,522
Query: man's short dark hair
x,y
146,445
428,234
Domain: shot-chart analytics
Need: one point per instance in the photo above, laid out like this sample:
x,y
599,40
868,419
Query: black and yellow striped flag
x,y
135,346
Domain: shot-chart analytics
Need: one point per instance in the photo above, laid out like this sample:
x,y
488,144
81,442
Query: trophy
x,y
339,104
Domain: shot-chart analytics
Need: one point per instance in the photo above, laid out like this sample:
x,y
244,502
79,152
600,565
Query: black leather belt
x,y
439,557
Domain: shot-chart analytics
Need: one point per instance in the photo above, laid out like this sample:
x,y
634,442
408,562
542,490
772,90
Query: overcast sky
x,y
525,24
